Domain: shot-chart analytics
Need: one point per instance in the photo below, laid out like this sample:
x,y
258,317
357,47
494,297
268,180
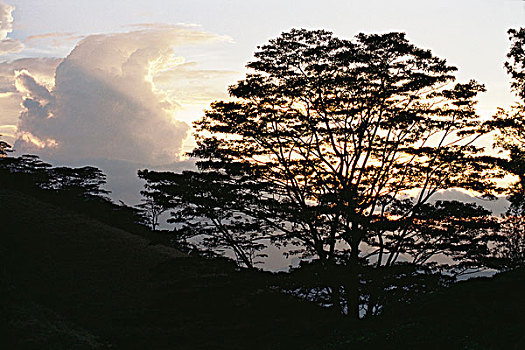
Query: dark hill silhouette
x,y
102,285
481,313
69,281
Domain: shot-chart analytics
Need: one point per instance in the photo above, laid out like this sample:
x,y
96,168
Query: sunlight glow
x,y
30,138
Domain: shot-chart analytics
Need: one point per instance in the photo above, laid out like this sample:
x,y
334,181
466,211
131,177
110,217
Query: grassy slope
x,y
71,282
86,283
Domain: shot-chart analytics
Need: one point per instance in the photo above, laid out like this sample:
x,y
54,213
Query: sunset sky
x,y
123,80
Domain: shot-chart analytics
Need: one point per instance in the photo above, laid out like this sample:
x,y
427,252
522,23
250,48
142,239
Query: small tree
x,y
208,210
150,211
4,148
85,182
154,202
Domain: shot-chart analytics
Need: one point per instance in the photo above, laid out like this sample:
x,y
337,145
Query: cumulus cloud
x,y
56,38
104,102
10,106
7,45
42,69
193,85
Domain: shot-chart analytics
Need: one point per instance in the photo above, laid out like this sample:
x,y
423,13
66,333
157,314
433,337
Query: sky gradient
x,y
103,81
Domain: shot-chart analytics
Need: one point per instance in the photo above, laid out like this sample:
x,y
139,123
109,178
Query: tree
x,y
84,182
341,143
208,210
29,171
510,250
154,202
510,125
150,211
25,172
4,148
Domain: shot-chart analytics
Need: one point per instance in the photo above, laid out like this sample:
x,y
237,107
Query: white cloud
x,y
6,20
7,45
41,68
10,106
104,103
43,71
10,45
56,38
193,85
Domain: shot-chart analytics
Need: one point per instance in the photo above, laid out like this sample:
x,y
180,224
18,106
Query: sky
x,y
116,84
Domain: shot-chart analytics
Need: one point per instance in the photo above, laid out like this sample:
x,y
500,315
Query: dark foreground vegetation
x,y
332,151
72,282
69,281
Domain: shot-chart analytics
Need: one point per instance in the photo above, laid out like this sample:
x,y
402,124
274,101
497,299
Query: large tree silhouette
x,y
339,145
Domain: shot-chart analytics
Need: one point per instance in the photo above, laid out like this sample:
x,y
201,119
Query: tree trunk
x,y
336,297
353,294
354,282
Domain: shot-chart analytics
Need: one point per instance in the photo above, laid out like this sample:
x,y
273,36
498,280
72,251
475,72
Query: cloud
x,y
10,45
57,39
10,106
6,20
104,102
25,83
42,70
7,45
193,85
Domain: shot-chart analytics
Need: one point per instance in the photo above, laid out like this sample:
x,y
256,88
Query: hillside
x,y
482,313
69,279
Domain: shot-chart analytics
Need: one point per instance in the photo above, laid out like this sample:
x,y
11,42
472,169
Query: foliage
x,y
510,124
448,229
336,146
208,210
77,189
4,148
510,250
86,181
31,171
150,211
154,202
25,172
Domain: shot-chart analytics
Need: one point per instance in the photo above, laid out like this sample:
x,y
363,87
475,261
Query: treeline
x,y
77,189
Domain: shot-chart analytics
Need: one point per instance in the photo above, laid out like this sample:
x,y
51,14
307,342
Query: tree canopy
x,y
4,148
30,171
336,146
510,123
510,137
